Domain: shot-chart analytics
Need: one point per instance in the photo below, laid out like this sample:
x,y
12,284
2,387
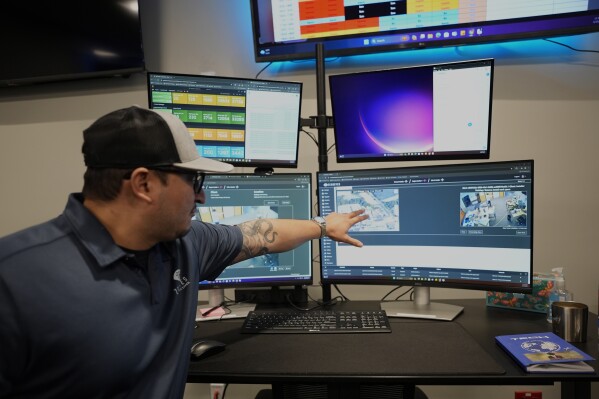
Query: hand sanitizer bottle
x,y
558,293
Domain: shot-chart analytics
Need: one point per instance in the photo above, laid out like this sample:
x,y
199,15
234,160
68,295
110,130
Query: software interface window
x,y
233,199
461,117
233,120
432,223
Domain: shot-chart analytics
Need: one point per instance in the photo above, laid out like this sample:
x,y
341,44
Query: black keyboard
x,y
316,321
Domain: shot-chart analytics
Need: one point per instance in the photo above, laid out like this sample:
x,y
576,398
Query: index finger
x,y
353,214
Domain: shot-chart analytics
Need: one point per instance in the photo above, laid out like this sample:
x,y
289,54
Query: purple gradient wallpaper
x,y
383,112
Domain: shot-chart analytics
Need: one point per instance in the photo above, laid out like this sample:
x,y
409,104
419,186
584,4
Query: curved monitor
x,y
466,226
236,198
289,29
430,112
245,122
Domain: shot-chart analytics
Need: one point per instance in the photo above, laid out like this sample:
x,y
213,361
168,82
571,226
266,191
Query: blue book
x,y
545,352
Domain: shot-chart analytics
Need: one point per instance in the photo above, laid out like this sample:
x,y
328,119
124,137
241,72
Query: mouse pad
x,y
421,348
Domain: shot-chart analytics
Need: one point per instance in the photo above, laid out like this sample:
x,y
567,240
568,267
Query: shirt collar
x,y
91,233
94,236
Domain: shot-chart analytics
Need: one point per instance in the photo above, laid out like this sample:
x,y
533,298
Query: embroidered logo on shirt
x,y
182,281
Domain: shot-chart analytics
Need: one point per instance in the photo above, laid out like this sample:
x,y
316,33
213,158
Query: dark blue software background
x,y
287,194
430,212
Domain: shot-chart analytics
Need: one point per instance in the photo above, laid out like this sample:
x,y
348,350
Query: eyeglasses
x,y
196,179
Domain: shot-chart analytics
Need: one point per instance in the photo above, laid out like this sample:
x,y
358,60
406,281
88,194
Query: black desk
x,y
345,361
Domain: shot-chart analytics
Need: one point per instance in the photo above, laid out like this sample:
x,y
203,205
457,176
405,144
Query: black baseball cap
x,y
135,136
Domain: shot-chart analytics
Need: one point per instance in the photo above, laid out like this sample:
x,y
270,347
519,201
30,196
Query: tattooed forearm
x,y
257,234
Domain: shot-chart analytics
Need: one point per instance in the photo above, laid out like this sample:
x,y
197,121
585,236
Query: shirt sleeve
x,y
214,247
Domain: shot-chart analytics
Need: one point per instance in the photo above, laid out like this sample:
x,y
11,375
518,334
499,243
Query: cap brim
x,y
206,165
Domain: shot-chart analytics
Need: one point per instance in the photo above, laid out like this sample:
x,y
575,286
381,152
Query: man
x,y
101,301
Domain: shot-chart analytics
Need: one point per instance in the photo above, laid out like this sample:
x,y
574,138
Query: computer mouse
x,y
205,348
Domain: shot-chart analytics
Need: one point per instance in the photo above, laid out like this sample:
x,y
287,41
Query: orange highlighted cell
x,y
237,135
320,9
327,29
223,135
209,134
196,133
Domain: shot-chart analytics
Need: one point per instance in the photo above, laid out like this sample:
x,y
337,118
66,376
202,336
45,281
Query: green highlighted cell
x,y
194,116
162,97
223,117
181,113
209,116
238,118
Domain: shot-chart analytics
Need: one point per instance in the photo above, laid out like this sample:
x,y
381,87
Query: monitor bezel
x,y
267,164
477,286
337,46
283,282
462,155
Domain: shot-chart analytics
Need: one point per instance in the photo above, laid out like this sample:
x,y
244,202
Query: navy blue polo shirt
x,y
81,318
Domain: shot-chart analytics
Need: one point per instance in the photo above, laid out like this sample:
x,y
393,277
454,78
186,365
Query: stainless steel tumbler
x,y
570,320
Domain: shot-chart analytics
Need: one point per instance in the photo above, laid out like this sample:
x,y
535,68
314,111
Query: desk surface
x,y
305,358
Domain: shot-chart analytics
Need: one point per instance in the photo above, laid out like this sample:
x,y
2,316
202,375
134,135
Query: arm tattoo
x,y
257,234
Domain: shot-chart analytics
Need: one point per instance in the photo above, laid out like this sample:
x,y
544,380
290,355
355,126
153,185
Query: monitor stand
x,y
216,297
421,307
264,170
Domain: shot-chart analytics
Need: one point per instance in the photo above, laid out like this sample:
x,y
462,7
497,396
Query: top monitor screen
x,y
245,122
429,112
289,29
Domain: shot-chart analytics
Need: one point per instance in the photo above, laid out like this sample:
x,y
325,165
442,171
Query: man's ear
x,y
141,184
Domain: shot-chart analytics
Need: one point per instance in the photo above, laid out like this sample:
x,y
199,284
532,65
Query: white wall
x,y
545,108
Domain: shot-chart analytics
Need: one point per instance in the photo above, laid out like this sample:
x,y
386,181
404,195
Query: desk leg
x,y
578,390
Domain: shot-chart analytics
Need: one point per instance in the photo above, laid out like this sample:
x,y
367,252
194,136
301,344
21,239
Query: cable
x,y
340,293
570,47
293,305
260,71
310,135
390,292
330,148
409,290
224,391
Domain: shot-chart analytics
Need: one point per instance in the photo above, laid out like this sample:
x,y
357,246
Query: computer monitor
x,y
430,112
467,226
235,198
245,122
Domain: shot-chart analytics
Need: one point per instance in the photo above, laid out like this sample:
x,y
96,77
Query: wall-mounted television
x,y
46,41
429,112
289,29
245,122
